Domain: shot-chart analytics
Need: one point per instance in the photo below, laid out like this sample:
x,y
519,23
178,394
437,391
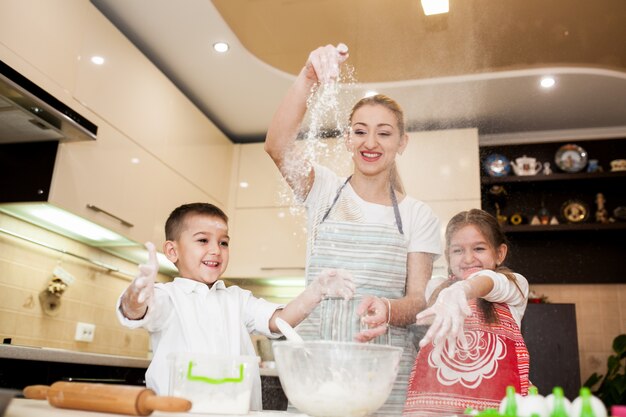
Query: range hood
x,y
30,114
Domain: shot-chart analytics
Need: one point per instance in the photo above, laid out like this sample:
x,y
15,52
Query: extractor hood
x,y
30,114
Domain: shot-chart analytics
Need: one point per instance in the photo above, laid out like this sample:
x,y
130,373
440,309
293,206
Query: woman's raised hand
x,y
324,62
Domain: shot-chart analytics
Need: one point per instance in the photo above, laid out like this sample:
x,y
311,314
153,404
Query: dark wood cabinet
x,y
551,338
567,252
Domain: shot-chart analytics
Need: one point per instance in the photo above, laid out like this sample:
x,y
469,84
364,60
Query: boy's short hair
x,y
174,223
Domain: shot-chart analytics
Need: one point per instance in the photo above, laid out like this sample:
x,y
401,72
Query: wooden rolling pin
x,y
118,399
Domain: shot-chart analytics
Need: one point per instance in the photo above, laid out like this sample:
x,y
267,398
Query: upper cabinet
x,y
154,149
565,217
48,35
129,92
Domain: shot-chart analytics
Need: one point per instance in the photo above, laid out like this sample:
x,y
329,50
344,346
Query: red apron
x,y
476,377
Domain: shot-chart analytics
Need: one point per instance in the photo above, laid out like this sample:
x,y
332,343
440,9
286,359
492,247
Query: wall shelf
x,y
554,177
586,252
568,227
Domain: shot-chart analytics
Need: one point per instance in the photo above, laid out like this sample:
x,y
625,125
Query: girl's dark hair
x,y
391,105
176,219
491,230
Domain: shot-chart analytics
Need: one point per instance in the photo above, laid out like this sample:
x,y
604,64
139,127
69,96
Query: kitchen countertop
x,y
68,356
20,407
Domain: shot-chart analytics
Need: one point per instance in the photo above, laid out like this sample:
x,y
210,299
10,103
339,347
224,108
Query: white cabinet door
x,y
47,34
112,174
441,165
441,168
266,242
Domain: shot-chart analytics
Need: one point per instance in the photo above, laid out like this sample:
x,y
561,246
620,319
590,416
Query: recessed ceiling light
x,y
221,47
435,7
98,60
547,82
370,93
134,160
244,184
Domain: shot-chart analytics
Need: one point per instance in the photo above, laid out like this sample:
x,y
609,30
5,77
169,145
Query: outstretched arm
x,y
330,283
450,310
321,66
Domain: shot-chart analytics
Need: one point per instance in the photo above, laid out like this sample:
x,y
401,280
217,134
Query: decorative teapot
x,y
526,165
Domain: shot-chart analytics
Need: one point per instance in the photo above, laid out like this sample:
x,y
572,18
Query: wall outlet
x,y
84,332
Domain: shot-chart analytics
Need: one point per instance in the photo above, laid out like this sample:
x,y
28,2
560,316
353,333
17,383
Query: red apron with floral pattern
x,y
476,377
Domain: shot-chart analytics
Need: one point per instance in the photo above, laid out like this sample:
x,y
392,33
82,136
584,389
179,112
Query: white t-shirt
x,y
187,316
420,225
503,291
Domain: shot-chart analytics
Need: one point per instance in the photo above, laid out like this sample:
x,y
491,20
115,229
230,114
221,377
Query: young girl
x,y
474,348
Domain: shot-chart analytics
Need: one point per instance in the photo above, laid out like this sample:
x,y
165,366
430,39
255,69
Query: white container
x,y
215,384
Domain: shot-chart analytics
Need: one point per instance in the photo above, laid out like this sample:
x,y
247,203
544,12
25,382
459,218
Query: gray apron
x,y
376,255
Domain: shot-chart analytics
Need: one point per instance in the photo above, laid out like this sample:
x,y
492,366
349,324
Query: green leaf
x,y
592,380
619,345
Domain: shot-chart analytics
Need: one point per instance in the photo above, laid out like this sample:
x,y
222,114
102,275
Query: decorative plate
x,y
575,211
571,158
497,165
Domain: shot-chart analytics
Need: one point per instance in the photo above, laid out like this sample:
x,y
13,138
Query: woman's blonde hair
x,y
394,107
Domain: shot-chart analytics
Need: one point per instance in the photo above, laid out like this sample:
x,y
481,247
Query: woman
x,y
364,224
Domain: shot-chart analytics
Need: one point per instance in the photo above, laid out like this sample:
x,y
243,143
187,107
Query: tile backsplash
x,y
25,271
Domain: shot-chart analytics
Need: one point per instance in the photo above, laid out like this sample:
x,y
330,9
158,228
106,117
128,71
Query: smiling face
x,y
470,251
200,252
374,139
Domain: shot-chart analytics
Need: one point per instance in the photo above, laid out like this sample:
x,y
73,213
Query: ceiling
x,y
477,66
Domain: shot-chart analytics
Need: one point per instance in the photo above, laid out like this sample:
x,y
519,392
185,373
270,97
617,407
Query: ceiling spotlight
x,y
221,47
547,82
244,184
98,60
435,7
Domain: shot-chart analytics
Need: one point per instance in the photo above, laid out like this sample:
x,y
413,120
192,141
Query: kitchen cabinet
x,y
47,34
268,230
440,168
551,338
127,90
134,191
267,242
130,93
567,252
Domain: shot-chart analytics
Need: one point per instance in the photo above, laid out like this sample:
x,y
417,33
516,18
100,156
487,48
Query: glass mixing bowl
x,y
336,379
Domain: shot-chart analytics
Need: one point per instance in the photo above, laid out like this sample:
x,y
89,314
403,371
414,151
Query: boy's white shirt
x,y
175,322
503,291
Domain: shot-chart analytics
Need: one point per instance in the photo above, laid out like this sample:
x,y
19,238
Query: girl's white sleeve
x,y
505,291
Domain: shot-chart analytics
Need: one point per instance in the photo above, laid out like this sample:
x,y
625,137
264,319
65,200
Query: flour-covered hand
x,y
335,283
448,316
139,293
324,62
374,313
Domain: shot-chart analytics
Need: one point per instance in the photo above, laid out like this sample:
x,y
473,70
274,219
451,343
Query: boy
x,y
196,312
